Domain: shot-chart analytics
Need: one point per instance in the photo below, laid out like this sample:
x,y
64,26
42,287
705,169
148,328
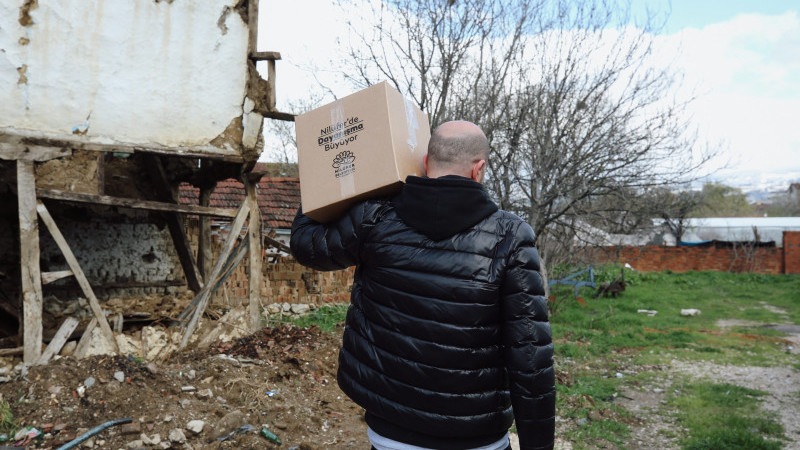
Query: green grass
x,y
8,425
725,416
325,317
597,337
592,336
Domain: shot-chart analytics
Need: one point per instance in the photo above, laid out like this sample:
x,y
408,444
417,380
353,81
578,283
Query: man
x,y
447,327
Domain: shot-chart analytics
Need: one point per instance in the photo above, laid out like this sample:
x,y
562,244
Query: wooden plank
x,y
265,56
12,351
29,262
83,344
61,337
29,139
134,204
255,275
175,224
233,235
72,262
49,277
10,151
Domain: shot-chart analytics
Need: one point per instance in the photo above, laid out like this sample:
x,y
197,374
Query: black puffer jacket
x,y
447,327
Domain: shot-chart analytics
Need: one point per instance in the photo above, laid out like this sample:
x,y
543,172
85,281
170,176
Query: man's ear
x,y
477,170
425,164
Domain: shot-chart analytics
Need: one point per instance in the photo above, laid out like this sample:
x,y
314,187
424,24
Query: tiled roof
x,y
278,198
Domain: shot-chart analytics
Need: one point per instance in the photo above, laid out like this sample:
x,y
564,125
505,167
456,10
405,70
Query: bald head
x,y
456,148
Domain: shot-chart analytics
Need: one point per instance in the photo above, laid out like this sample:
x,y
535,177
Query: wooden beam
x,y
175,225
29,262
72,262
134,204
205,253
252,24
11,351
271,93
32,139
64,332
277,115
49,277
233,235
11,151
265,56
254,234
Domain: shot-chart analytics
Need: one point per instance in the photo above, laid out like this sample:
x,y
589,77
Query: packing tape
x,y
347,183
412,124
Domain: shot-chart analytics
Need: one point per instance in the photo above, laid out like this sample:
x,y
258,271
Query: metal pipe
x,y
85,436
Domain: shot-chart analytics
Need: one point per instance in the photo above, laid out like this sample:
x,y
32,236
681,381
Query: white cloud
x,y
747,72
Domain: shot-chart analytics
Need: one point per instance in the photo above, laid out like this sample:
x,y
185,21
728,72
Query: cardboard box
x,y
360,146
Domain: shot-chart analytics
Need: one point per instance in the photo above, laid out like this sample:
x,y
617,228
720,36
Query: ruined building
x,y
105,109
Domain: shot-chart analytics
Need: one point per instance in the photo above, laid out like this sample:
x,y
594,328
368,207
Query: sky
x,y
740,57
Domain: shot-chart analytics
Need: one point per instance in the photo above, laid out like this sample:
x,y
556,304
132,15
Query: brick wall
x,y
652,258
284,280
791,252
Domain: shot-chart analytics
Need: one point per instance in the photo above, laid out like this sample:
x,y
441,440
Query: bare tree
x,y
575,105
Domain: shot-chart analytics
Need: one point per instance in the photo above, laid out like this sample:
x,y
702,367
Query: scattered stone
x,y
690,312
205,393
152,368
69,348
229,422
81,391
207,380
188,388
131,428
618,375
119,376
89,382
300,308
176,435
658,390
649,312
191,374
583,422
155,440
195,426
89,443
594,415
135,444
287,307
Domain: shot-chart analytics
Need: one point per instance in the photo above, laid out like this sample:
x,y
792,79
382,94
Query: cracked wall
x,y
135,72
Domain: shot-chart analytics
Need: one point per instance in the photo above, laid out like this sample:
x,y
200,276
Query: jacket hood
x,y
442,207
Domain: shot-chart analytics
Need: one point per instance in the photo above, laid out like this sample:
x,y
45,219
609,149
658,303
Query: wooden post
x,y
254,232
175,225
271,95
205,294
252,23
29,262
72,262
205,253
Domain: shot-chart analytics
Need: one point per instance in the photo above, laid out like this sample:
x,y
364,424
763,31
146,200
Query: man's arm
x,y
528,345
331,246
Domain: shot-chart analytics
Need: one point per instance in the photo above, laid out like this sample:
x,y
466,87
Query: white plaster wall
x,y
170,73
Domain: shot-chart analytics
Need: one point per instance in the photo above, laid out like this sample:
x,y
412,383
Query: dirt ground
x,y
282,378
285,379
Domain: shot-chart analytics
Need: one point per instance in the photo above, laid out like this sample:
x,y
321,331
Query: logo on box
x,y
343,164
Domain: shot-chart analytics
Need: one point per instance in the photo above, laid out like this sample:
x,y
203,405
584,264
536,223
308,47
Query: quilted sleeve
x,y
331,246
528,345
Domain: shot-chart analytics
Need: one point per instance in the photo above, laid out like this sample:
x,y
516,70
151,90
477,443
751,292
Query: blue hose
x,y
85,436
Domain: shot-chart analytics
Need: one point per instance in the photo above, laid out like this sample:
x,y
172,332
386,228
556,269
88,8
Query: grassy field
x,y
604,347
597,337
